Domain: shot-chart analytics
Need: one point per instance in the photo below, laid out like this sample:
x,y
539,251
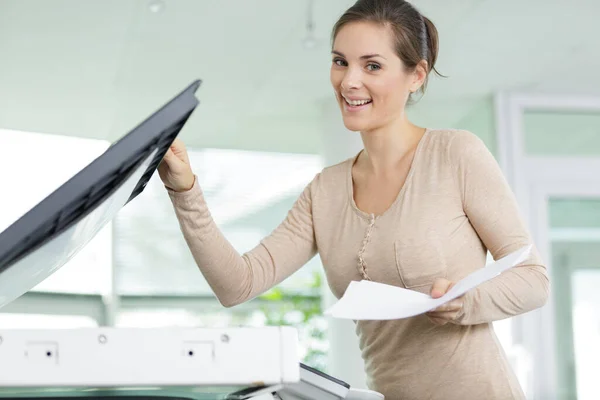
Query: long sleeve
x,y
236,278
492,210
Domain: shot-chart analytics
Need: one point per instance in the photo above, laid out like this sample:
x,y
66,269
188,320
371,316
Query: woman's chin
x,y
355,124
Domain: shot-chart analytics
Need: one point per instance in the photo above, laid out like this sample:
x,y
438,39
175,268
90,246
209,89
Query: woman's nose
x,y
351,79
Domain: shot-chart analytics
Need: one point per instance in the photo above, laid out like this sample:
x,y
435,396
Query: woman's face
x,y
370,81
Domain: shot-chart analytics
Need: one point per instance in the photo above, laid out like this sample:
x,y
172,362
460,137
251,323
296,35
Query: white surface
x,y
43,262
115,357
366,300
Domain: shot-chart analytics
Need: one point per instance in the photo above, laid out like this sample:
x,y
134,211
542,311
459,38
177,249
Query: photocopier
x,y
135,363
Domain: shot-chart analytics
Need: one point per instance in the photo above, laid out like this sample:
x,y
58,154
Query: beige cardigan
x,y
454,206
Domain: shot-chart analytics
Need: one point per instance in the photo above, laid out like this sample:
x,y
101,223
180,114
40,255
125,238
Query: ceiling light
x,y
156,6
310,41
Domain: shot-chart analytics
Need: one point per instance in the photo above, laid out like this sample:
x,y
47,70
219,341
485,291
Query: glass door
x,y
573,236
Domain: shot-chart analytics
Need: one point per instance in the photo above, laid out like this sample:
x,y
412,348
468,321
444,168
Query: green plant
x,y
304,312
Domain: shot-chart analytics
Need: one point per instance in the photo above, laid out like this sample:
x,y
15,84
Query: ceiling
x,y
95,68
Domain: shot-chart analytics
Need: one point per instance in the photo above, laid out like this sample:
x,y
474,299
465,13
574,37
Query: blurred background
x,y
75,75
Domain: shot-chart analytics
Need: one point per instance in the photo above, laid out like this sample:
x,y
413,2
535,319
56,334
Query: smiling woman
x,y
417,208
401,50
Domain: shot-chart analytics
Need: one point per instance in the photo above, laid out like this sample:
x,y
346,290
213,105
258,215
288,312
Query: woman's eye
x,y
373,67
339,62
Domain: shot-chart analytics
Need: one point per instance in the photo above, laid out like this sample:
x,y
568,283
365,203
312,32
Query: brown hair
x,y
416,38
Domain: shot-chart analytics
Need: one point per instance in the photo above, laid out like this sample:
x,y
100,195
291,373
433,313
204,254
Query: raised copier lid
x,y
58,227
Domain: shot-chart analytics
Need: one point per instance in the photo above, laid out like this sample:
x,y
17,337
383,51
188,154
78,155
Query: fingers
x,y
178,149
440,287
169,154
442,317
169,158
446,312
454,305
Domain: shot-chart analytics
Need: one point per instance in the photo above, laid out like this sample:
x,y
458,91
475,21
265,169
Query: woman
x,y
417,208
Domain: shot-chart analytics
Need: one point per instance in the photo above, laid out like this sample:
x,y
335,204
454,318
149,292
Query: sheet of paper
x,y
366,300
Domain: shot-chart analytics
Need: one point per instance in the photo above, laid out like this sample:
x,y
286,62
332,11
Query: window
x,y
248,193
44,162
546,133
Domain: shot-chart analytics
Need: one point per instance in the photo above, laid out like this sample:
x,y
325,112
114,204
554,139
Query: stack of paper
x,y
366,300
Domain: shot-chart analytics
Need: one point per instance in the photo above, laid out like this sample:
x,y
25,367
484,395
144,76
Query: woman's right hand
x,y
175,170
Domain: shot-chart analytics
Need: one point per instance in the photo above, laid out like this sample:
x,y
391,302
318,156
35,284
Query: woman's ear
x,y
418,76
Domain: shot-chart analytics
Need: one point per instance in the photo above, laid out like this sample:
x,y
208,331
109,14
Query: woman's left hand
x,y
446,312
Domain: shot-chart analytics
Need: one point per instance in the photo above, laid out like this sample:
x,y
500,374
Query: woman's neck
x,y
387,147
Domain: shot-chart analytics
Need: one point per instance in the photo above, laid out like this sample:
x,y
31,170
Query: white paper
x,y
367,300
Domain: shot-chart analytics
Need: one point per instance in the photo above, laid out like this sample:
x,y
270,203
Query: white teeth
x,y
357,102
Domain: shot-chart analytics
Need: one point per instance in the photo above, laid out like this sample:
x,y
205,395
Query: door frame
x,y
534,180
541,195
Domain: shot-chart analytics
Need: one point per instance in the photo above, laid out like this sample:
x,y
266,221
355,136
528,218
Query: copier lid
x,y
59,226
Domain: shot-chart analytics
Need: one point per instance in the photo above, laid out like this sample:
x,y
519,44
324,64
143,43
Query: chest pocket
x,y
419,263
